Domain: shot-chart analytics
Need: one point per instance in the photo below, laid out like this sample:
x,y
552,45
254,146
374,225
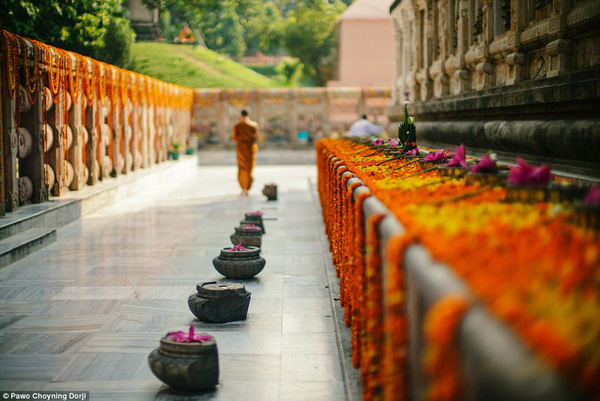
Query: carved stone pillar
x,y
10,143
462,75
92,146
2,172
144,131
517,67
56,154
76,153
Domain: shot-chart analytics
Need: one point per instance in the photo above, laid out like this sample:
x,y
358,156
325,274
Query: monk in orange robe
x,y
245,134
186,35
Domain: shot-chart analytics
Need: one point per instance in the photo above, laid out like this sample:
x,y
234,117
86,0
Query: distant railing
x,y
68,121
288,115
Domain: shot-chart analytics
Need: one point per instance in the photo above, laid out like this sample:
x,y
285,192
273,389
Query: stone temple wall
x,y
513,76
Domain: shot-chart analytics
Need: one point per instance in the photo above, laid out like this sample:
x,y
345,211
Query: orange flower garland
x,y
373,333
67,73
441,359
355,288
394,366
551,268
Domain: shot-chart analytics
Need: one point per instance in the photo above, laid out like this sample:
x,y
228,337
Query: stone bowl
x,y
220,302
186,366
256,220
239,264
270,191
247,236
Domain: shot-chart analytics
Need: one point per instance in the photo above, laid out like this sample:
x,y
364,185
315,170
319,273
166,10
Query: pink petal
x,y
593,195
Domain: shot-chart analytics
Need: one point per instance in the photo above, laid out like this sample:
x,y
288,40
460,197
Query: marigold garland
x,y
357,278
373,322
394,366
66,73
441,359
549,297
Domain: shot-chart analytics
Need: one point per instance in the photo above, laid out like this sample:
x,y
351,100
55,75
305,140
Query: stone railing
x,y
433,272
69,121
288,115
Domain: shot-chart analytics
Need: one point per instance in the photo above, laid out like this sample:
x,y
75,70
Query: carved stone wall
x,y
477,61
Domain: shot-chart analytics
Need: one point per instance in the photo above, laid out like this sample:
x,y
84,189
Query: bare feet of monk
x,y
244,192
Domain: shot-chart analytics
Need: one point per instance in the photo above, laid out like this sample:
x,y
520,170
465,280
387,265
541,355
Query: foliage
x,y
263,27
97,29
223,30
309,35
215,22
290,70
194,67
267,70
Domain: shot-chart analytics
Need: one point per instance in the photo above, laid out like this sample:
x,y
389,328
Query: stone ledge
x,y
573,145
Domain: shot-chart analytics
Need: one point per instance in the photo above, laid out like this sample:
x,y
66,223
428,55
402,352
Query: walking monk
x,y
245,133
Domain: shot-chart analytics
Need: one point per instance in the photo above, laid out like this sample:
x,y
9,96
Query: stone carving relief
x,y
533,45
588,53
25,143
538,65
25,189
501,73
24,105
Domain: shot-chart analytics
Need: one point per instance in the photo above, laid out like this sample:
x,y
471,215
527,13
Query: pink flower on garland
x,y
437,156
257,213
593,195
413,152
394,142
250,226
378,141
238,248
189,337
485,165
526,174
458,159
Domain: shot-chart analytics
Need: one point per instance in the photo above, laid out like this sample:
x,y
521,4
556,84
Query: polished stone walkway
x,y
84,313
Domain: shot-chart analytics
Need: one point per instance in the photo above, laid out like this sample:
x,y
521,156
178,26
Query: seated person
x,y
186,35
364,128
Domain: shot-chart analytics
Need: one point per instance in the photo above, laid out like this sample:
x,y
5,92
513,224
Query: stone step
x,y
20,245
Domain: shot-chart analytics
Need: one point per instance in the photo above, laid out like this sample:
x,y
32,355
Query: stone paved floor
x,y
83,313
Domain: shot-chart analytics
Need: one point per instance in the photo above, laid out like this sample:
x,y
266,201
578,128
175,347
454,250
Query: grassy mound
x,y
194,67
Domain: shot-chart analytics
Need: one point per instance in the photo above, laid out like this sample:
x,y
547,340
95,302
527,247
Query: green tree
x,y
263,26
223,31
289,69
309,35
93,28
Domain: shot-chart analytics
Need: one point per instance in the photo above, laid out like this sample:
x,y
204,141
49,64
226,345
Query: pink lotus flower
x,y
527,174
238,248
250,226
189,337
458,159
437,156
485,165
413,152
257,213
593,195
393,142
378,141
